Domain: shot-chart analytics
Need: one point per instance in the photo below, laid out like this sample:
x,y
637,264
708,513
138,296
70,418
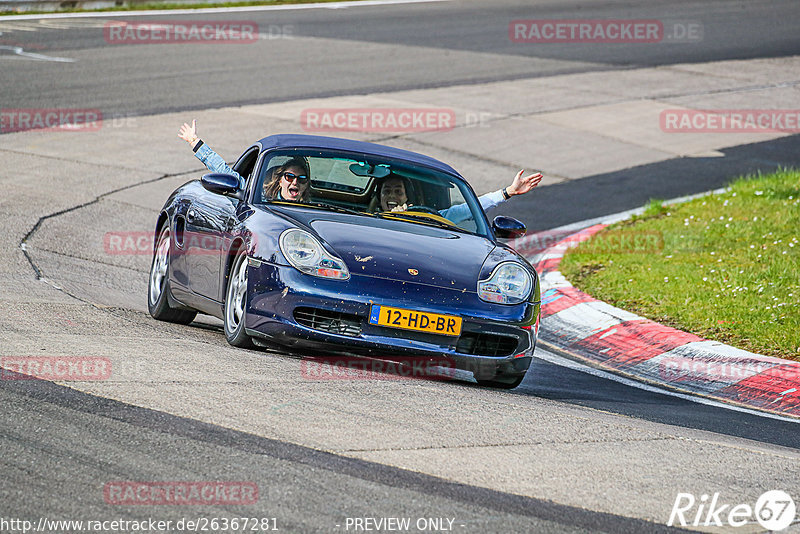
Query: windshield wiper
x,y
410,217
338,209
320,205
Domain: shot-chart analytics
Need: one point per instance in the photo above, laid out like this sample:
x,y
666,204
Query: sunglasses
x,y
301,179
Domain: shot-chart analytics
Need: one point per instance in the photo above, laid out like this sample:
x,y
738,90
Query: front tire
x,y
502,382
158,284
236,304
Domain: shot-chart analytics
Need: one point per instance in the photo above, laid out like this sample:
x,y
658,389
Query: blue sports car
x,y
335,245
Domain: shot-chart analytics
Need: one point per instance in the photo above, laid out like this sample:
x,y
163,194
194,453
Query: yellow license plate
x,y
434,323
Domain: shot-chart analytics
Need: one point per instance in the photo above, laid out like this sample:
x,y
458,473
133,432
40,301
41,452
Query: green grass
x,y
128,6
729,269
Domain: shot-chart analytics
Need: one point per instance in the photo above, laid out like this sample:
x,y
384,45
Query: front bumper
x,y
299,311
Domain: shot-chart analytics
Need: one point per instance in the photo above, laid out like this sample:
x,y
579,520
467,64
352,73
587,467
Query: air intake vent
x,y
486,344
343,324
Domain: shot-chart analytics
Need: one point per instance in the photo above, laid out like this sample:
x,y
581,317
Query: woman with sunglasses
x,y
288,182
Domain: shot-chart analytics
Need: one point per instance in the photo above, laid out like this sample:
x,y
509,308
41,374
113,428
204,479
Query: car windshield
x,y
368,186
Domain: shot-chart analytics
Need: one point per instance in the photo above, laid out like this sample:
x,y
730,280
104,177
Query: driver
x,y
288,181
392,196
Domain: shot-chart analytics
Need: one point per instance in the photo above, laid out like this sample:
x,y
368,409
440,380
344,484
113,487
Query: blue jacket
x,y
214,162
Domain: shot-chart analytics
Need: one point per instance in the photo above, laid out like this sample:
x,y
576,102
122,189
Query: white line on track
x,y
169,12
577,366
18,50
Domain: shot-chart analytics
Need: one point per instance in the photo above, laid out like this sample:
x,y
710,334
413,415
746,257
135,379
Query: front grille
x,y
481,344
344,324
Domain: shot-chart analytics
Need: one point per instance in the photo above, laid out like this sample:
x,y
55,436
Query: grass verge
x,y
149,6
725,267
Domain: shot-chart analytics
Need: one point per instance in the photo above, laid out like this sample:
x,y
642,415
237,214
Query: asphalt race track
x,y
569,450
400,47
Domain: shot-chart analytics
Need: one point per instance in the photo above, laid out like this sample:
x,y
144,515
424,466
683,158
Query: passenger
x,y
288,181
392,196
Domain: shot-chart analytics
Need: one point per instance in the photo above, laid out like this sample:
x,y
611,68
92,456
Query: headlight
x,y
306,254
509,283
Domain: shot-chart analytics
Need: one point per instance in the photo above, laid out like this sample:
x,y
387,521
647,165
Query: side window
x,y
462,215
456,197
246,163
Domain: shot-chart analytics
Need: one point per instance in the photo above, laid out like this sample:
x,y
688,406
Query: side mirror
x,y
508,227
221,184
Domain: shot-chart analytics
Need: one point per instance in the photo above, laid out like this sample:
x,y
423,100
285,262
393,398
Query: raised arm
x,y
203,152
519,186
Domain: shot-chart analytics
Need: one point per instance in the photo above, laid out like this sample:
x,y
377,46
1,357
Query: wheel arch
x,y
237,245
162,218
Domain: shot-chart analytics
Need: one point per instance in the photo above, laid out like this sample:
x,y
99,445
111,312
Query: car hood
x,y
398,250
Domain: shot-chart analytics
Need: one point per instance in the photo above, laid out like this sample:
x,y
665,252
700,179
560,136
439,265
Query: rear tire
x,y
236,304
158,284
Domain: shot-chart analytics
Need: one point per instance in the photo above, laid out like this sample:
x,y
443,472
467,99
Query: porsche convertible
x,y
338,273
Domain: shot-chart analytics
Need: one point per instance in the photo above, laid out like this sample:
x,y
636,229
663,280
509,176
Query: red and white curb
x,y
597,333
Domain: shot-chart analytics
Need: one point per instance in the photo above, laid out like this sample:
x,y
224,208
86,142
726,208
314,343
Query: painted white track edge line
x,y
19,51
607,375
241,9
